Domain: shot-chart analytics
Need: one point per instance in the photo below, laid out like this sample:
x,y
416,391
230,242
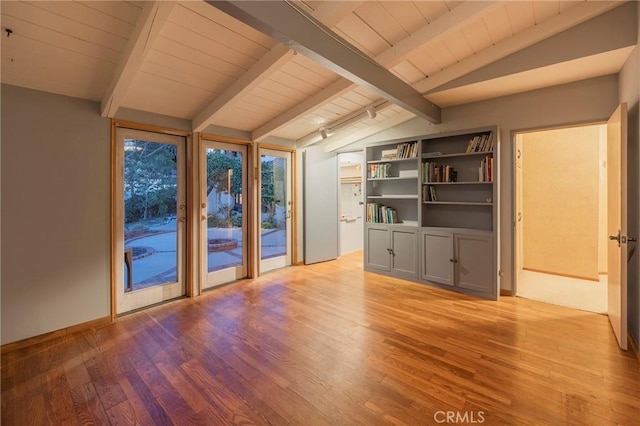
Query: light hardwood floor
x,y
329,344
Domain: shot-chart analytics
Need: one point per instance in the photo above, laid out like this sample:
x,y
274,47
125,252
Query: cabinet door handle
x,y
390,251
453,260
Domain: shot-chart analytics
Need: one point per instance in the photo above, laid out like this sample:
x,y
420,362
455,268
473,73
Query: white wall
x,y
629,91
55,213
590,100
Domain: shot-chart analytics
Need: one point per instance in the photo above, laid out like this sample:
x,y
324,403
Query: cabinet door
x,y
377,249
474,255
437,257
404,257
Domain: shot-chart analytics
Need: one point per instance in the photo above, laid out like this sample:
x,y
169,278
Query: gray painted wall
x,y
583,101
55,212
629,91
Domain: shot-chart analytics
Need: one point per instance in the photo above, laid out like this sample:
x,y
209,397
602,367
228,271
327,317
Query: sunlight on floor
x,y
564,291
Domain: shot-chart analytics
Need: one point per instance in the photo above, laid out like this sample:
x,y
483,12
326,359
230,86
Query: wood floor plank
x,y
329,344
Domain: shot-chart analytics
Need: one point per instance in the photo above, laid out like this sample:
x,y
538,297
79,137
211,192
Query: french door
x,y
276,209
149,218
223,183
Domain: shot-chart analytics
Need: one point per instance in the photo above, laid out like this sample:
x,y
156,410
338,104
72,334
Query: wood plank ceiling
x,y
191,60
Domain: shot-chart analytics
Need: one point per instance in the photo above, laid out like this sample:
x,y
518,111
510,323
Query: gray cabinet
x,y
392,249
461,259
432,210
437,252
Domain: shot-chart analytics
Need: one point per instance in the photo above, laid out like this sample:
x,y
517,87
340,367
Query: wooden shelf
x,y
461,154
457,183
397,160
394,196
395,178
457,203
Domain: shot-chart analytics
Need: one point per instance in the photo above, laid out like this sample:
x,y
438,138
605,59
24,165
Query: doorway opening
x,y
561,216
351,202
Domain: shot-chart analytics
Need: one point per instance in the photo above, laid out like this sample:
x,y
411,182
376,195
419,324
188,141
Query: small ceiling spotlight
x,y
323,132
371,111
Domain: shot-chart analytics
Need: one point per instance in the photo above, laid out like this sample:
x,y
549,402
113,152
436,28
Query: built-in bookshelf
x,y
457,178
392,183
432,210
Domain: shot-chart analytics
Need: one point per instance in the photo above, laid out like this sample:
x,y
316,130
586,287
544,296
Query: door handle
x,y
615,238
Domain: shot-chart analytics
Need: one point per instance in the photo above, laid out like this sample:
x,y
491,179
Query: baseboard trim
x,y
505,292
30,341
633,345
561,274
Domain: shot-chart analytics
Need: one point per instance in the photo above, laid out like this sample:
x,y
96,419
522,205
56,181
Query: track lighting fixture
x,y
371,111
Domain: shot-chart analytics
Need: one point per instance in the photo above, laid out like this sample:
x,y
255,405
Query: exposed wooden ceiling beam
x,y
331,12
391,57
292,26
329,93
151,20
457,18
267,65
585,40
572,16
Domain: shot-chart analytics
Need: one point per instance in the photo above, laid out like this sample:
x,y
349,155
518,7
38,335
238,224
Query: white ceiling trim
x,y
457,18
554,25
267,65
151,20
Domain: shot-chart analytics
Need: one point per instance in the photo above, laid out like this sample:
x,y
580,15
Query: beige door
x,y
617,222
224,215
276,207
150,209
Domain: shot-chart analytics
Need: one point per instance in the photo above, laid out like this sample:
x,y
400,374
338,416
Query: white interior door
x,y
223,183
320,205
276,209
617,223
519,212
150,218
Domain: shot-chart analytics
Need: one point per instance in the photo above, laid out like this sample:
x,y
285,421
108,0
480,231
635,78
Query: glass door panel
x,y
225,232
152,213
275,209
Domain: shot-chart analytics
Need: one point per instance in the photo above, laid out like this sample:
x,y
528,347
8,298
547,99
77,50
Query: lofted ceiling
x,y
226,64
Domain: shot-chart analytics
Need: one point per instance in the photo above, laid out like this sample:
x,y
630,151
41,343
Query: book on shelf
x,y
413,173
433,172
378,171
388,154
429,193
480,143
485,170
407,150
379,213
